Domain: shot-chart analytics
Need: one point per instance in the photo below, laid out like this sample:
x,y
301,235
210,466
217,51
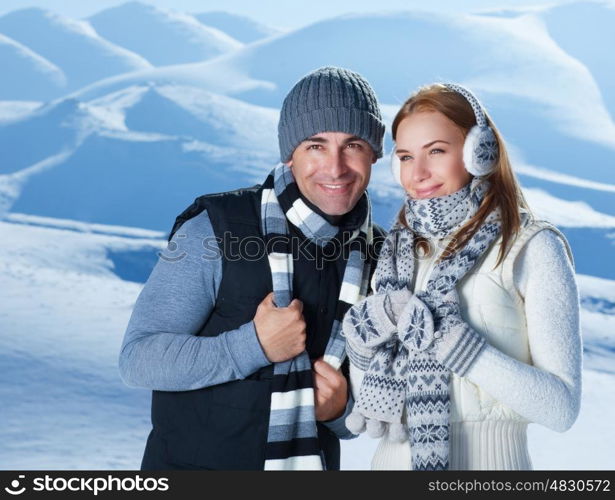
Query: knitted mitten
x,y
369,327
457,345
366,326
370,323
415,325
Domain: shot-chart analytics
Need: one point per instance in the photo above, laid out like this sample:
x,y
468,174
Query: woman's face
x,y
430,149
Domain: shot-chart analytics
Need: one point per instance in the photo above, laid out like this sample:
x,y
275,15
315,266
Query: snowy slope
x,y
50,128
133,150
61,324
585,31
31,76
162,36
136,157
11,111
505,56
66,302
241,28
72,45
94,159
511,63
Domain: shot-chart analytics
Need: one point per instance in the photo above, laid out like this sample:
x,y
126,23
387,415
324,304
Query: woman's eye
x,y
405,158
436,151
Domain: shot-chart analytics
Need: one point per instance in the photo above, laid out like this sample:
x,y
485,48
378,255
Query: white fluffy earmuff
x,y
480,149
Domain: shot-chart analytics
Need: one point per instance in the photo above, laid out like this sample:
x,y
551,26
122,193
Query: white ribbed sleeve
x,y
549,392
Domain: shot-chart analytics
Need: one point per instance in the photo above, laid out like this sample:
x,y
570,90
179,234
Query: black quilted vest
x,y
225,426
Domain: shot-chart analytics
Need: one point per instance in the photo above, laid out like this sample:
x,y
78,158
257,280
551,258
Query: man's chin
x,y
335,209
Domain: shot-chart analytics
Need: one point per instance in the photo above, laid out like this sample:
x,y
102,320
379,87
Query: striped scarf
x,y
292,441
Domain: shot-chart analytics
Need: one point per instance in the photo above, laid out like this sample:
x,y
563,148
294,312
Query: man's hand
x,y
280,330
331,391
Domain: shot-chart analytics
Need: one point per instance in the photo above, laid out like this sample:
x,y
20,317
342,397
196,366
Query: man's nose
x,y
336,164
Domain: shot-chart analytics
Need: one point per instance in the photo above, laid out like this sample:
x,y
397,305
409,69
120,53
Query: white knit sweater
x,y
547,391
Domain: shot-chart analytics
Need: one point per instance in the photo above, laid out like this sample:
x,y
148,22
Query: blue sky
x,y
290,14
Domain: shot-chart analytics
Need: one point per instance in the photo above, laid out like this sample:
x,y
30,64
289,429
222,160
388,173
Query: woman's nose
x,y
420,172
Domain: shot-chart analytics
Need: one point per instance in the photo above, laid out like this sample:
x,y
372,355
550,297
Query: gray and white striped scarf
x,y
292,442
422,382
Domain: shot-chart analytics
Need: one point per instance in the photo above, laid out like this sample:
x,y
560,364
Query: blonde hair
x,y
504,191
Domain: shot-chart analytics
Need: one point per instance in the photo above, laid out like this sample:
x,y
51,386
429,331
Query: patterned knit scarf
x,y
292,442
425,379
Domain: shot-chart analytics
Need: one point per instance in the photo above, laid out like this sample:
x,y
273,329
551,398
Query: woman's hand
x,y
456,344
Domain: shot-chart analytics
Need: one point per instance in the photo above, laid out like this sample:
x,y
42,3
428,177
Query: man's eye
x,y
314,146
355,145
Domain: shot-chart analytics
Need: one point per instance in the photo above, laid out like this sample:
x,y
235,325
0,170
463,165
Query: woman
x,y
473,329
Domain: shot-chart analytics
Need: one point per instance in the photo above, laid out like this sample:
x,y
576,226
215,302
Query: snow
x,y
31,76
581,28
11,111
61,326
90,182
571,180
566,213
96,158
162,36
62,320
71,45
526,61
239,27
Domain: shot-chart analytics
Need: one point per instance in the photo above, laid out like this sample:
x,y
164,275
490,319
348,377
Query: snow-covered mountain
x,y
162,36
71,45
584,30
135,157
511,62
241,28
90,182
31,76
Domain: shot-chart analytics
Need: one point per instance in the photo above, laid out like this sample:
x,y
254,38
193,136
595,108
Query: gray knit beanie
x,y
330,99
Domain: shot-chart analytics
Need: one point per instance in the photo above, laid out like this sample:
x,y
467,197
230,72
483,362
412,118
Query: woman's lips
x,y
426,193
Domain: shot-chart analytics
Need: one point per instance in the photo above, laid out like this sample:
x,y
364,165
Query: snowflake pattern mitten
x,y
366,326
457,345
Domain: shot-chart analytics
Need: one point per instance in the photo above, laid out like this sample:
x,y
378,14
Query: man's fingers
x,y
296,304
268,300
322,387
325,369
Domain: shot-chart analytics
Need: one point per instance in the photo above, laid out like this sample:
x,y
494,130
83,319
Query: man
x,y
237,330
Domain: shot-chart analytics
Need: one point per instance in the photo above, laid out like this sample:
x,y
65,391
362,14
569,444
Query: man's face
x,y
332,170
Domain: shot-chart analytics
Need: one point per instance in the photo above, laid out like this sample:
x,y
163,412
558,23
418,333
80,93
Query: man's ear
x,y
289,163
